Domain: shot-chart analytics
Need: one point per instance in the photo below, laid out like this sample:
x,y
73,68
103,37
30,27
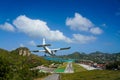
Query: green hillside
x,y
97,56
14,66
92,75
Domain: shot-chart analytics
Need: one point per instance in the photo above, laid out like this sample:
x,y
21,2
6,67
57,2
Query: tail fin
x,y
43,41
43,44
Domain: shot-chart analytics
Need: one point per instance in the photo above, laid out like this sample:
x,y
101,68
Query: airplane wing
x,y
43,45
38,51
60,49
65,48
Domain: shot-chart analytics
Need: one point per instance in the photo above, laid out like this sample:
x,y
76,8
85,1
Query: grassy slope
x,y
83,74
78,68
11,61
61,68
92,75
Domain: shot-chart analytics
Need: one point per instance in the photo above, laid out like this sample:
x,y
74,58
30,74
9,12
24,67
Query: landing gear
x,y
45,55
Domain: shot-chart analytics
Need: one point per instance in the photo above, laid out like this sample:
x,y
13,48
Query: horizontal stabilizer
x,y
65,48
43,45
35,51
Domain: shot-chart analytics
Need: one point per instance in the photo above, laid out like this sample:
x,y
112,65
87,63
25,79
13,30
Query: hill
x,y
14,66
97,56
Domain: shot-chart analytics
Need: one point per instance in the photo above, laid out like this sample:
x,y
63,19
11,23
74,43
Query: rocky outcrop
x,y
23,51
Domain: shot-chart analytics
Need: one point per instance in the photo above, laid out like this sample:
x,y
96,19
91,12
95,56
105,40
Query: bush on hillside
x,y
113,65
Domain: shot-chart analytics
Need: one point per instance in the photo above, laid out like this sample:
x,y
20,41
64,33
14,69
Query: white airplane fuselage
x,y
48,50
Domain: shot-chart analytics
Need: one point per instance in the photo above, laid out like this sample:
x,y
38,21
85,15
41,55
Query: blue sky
x,y
85,25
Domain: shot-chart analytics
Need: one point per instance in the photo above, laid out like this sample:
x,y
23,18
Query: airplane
x,y
47,50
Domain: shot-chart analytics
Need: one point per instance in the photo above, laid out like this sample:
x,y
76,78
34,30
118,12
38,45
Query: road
x,y
69,68
52,77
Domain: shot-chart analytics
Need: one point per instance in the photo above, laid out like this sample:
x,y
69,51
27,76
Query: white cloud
x,y
96,30
7,27
82,39
78,22
38,28
31,43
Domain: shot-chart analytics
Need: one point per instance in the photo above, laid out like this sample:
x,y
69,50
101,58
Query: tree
x,y
113,65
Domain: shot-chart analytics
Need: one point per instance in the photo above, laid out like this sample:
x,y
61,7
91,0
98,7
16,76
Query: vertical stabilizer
x,y
43,41
43,44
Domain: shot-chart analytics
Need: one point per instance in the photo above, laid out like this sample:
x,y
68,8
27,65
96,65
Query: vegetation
x,y
97,56
13,66
61,68
92,75
82,74
113,65
63,65
78,68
